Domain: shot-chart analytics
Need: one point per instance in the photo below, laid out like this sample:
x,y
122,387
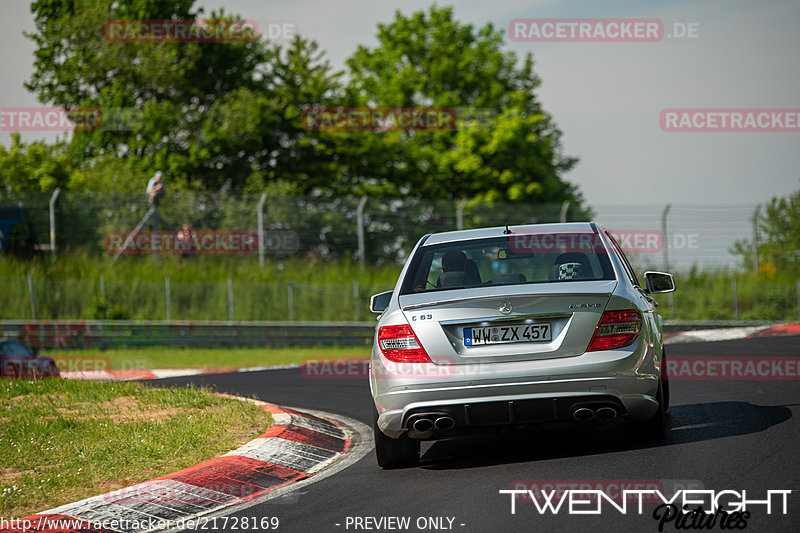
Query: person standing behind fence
x,y
156,189
187,241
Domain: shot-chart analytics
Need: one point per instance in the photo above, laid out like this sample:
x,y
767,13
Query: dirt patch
x,y
9,476
38,400
123,409
126,409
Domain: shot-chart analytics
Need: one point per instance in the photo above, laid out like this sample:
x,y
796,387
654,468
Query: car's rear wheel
x,y
664,378
394,453
656,427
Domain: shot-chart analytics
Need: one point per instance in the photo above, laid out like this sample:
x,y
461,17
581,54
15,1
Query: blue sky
x,y
606,97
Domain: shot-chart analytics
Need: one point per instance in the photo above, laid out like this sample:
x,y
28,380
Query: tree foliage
x,y
779,236
505,146
226,116
35,166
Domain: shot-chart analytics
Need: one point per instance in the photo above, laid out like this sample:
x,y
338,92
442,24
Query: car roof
x,y
482,233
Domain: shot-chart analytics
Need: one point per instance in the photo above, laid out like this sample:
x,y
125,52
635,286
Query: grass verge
x,y
219,358
64,440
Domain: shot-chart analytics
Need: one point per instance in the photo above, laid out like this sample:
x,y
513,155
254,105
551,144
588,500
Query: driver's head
x,y
454,261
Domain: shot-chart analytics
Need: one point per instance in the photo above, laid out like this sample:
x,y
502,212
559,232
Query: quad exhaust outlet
x,y
604,413
424,425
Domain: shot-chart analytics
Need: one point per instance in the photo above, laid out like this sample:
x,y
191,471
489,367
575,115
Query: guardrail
x,y
675,326
104,334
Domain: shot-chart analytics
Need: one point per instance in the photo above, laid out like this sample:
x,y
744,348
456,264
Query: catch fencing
x,y
370,230
268,257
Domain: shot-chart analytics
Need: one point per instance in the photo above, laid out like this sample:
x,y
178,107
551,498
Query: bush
x,y
102,310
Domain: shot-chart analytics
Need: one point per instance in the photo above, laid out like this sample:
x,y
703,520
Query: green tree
x,y
35,166
226,116
429,59
779,236
256,133
174,85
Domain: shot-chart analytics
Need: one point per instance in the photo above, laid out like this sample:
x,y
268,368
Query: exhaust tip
x,y
606,413
583,414
422,425
444,423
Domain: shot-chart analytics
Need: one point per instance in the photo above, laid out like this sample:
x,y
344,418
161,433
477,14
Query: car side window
x,y
14,348
20,349
628,268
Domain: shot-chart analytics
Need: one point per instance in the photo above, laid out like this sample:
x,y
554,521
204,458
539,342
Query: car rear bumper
x,y
524,395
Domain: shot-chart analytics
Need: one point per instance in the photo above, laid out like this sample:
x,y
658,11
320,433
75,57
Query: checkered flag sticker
x,y
569,271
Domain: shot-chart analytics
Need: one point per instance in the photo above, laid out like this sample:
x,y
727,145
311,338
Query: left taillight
x,y
401,345
616,329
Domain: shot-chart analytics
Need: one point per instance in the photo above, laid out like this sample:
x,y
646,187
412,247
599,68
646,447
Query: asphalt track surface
x,y
722,435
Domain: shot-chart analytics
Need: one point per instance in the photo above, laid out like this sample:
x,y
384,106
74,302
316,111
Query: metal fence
x,y
86,334
228,300
30,298
262,234
369,230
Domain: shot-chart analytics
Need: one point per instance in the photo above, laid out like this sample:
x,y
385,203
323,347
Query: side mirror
x,y
379,302
658,282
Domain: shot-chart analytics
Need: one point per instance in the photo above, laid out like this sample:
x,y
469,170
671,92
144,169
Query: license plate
x,y
482,336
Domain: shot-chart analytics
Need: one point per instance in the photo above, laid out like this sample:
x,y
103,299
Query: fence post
x,y
33,301
460,213
129,239
102,286
360,222
735,300
260,217
664,238
230,299
53,199
290,288
755,239
356,307
562,216
168,297
798,299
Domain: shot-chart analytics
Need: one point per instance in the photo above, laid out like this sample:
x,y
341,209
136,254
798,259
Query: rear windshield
x,y
519,258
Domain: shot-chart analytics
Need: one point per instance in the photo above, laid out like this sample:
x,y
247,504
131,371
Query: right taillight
x,y
616,330
400,344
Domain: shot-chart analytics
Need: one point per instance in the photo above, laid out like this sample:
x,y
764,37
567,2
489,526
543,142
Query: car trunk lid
x,y
507,323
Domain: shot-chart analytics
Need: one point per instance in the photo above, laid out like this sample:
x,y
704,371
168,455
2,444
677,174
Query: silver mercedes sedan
x,y
515,326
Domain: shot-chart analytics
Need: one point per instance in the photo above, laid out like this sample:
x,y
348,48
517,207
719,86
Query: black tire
x,y
394,453
655,428
664,378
